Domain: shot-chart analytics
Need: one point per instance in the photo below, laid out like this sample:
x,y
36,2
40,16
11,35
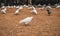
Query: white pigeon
x,y
34,11
17,11
17,7
3,11
14,6
31,7
25,6
21,7
8,6
39,5
44,5
3,7
26,20
58,6
42,8
48,7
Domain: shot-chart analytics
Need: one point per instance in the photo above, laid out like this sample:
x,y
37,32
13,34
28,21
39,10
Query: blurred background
x,y
33,2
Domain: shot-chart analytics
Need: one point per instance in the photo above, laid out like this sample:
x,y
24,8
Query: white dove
x,y
34,10
26,20
48,7
3,11
21,7
25,6
31,7
8,6
3,7
42,8
17,7
17,11
39,5
14,6
58,6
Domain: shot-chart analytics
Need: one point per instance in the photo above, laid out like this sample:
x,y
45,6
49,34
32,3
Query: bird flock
x,y
26,20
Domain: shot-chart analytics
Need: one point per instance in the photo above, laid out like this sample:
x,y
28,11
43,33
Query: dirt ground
x,y
41,25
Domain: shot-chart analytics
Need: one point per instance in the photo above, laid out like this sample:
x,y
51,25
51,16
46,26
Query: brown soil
x,y
41,25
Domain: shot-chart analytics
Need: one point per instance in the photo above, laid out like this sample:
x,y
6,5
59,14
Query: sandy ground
x,y
41,25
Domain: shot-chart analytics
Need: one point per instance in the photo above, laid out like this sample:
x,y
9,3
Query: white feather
x,y
26,20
